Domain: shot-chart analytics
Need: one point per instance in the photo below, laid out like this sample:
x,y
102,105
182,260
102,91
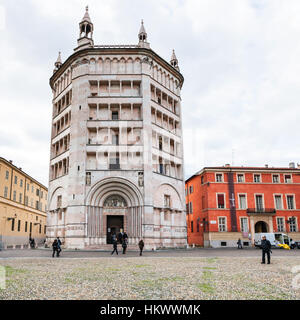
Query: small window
x,y
6,175
219,177
245,243
191,189
26,226
221,201
280,224
191,207
13,224
20,197
37,192
223,244
222,224
257,178
240,178
16,179
242,201
5,192
293,224
244,225
19,225
21,183
290,202
287,178
15,196
115,115
202,179
192,226
275,178
278,202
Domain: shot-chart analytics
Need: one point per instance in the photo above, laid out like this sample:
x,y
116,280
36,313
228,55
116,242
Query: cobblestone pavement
x,y
197,252
174,274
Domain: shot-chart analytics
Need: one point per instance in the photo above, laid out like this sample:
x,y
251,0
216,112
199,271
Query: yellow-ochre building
x,y
23,205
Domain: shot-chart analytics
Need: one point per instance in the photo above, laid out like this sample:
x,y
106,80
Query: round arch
x,y
261,226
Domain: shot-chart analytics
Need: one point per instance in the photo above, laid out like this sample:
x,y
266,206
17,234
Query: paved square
x,y
168,275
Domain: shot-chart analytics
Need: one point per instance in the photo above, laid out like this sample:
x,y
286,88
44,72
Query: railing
x,y
261,211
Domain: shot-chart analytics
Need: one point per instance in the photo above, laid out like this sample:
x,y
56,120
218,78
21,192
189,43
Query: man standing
x,y
266,249
239,243
59,245
141,246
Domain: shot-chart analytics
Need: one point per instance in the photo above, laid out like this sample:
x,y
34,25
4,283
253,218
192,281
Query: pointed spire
x,y
86,16
174,61
143,36
58,62
142,28
86,29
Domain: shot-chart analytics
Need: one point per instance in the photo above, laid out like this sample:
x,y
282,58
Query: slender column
x,y
252,230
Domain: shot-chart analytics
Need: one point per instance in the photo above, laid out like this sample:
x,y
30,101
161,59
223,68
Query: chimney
x,y
266,165
227,165
10,161
292,165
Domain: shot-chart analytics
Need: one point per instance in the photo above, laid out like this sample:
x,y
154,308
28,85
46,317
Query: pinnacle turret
x,y
174,61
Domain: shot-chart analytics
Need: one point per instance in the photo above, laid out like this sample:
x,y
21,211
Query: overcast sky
x,y
240,60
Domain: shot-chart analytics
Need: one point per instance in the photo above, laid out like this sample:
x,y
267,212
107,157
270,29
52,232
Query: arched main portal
x,y
115,209
261,226
114,204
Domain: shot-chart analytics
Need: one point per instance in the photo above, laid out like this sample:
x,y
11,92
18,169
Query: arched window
x,y
115,201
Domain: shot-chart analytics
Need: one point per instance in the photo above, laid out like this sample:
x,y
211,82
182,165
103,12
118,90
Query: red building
x,y
226,203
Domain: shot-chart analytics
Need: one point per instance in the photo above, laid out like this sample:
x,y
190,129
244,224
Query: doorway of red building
x,y
261,226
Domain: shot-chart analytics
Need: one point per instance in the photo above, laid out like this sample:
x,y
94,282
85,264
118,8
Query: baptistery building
x,y
116,159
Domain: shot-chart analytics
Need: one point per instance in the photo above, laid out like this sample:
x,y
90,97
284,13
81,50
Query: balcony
x,y
261,211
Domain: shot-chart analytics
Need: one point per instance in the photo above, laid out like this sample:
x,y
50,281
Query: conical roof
x,y
86,16
142,28
173,56
58,62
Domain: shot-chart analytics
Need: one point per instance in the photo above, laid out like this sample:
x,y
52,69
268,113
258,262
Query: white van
x,y
275,238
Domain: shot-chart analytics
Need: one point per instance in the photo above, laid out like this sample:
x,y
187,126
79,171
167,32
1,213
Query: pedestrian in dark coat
x,y
239,243
59,245
124,245
266,249
141,246
55,248
115,247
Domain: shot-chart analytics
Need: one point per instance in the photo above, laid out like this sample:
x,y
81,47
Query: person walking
x,y
239,243
55,248
59,245
124,245
141,246
115,247
266,249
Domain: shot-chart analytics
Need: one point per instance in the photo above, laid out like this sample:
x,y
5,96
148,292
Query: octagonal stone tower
x,y
116,146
